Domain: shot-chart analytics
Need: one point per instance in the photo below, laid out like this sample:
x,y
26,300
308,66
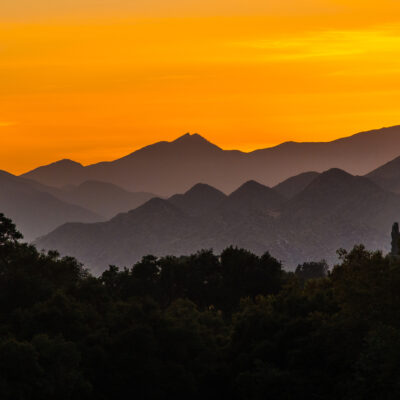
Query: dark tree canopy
x,y
234,326
8,231
312,270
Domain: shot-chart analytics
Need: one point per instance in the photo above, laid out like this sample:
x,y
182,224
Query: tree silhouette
x,y
200,326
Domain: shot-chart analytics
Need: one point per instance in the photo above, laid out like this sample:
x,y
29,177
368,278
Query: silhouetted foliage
x,y
8,231
233,326
312,270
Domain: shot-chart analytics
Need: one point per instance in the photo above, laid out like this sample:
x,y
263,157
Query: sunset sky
x,y
93,80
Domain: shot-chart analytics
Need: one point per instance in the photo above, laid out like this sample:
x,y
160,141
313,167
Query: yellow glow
x,y
244,76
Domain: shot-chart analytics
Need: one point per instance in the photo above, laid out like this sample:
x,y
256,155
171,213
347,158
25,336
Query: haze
x,y
94,80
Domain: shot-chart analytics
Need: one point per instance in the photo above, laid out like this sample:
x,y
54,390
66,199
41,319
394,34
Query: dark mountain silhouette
x,y
387,176
335,210
36,211
173,167
200,199
58,174
253,198
294,185
157,226
102,198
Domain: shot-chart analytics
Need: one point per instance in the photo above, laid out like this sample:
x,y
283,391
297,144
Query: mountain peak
x,y
336,173
199,199
295,184
335,184
153,208
332,179
253,195
203,188
189,136
388,170
67,162
387,176
64,164
251,186
193,143
57,174
194,139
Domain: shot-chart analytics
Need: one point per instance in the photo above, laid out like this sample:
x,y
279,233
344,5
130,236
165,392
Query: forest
x,y
205,326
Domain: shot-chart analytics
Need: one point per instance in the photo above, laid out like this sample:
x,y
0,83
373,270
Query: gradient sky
x,y
93,80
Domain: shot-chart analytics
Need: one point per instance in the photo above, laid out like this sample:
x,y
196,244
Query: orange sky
x,y
93,80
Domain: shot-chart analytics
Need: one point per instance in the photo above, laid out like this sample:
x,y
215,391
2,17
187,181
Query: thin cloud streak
x,y
327,44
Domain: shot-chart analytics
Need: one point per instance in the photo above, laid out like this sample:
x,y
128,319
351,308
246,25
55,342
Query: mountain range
x,y
213,198
102,198
167,168
335,210
34,210
37,209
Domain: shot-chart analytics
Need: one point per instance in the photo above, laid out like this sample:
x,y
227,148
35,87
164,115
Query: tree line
x,y
234,326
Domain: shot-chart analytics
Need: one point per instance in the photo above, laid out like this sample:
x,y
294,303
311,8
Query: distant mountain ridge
x,y
102,198
34,209
252,197
335,210
69,171
199,200
38,208
294,185
387,176
167,168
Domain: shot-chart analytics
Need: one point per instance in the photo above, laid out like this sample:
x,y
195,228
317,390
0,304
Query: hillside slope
x,y
34,210
336,210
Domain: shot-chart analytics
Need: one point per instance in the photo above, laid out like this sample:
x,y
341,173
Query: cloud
x,y
327,44
5,124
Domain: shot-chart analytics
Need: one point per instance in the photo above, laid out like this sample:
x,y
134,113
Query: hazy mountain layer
x,y
167,168
34,210
387,176
294,185
102,198
335,210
